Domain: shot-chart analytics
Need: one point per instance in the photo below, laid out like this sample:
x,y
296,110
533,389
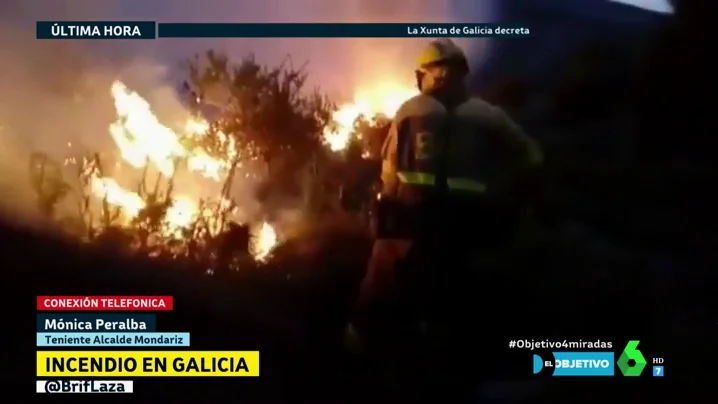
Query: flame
x,y
109,190
180,216
264,242
140,136
384,99
142,139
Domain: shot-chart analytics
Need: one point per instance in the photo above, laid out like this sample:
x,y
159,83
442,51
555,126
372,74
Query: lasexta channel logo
x,y
631,362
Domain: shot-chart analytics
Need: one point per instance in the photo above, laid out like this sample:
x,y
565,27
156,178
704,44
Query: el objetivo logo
x,y
597,363
577,364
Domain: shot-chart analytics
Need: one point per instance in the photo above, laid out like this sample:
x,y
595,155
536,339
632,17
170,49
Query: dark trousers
x,y
434,279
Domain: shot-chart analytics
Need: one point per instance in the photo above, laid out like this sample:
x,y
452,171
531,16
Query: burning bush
x,y
245,120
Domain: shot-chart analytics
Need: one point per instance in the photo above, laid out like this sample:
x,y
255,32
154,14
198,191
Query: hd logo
x,y
577,364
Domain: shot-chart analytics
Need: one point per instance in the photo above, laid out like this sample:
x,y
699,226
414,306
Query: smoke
x,y
55,100
56,93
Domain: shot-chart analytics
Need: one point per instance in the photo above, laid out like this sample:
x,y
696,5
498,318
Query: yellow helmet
x,y
441,51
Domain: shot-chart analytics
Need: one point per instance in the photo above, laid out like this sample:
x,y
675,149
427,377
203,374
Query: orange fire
x,y
383,99
143,140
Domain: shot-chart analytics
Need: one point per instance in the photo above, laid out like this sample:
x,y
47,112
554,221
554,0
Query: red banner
x,y
104,303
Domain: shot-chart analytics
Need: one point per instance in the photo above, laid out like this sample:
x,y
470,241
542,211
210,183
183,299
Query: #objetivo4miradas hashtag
x,y
559,344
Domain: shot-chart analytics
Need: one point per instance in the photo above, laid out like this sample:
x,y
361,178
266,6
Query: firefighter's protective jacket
x,y
467,149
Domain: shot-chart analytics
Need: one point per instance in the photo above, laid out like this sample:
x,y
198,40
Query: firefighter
x,y
451,164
